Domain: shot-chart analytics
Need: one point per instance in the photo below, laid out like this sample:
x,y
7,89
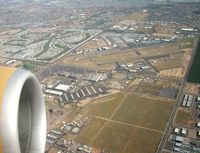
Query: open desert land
x,y
191,88
154,89
86,62
184,118
167,61
121,57
164,31
188,42
138,17
93,44
149,89
159,49
100,61
120,122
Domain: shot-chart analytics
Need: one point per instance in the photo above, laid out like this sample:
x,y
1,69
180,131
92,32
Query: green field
x,y
144,112
121,123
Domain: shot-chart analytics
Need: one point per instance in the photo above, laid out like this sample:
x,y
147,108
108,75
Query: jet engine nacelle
x,y
22,112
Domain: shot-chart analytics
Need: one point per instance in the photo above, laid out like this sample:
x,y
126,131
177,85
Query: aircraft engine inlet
x,y
22,112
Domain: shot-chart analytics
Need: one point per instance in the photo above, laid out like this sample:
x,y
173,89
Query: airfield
x,y
121,122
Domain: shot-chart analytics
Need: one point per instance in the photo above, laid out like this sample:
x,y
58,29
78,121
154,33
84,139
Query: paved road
x,y
167,130
192,58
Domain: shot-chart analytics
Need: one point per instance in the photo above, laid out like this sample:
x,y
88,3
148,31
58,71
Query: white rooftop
x,y
62,87
176,130
184,131
49,91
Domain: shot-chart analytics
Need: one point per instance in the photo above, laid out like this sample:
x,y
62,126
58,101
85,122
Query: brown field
x,y
156,50
167,83
87,136
167,64
115,57
124,138
171,62
104,61
137,16
84,62
184,118
149,89
113,137
164,31
135,82
188,42
149,141
175,72
104,107
93,44
140,111
192,88
126,124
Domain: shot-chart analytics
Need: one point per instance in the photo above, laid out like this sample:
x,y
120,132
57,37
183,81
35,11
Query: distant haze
x,y
91,3
164,1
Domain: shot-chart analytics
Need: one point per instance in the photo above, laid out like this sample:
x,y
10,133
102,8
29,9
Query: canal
x,y
194,72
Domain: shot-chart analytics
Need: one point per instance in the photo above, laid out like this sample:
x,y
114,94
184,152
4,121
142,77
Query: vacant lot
x,y
115,57
85,62
172,61
150,89
167,64
105,107
137,16
157,50
144,112
149,140
183,118
93,44
87,136
120,123
188,42
113,137
119,138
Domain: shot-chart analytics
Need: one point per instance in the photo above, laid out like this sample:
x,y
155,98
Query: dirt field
x,y
93,44
140,111
149,89
176,72
192,88
85,62
116,57
105,107
188,42
87,136
167,83
184,118
164,64
120,123
137,16
164,31
156,50
149,139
